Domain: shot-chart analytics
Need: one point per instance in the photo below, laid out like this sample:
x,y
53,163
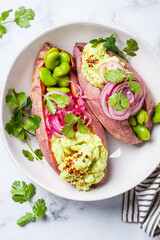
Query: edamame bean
x,y
62,81
141,132
132,121
46,77
64,57
50,51
52,60
142,116
62,70
62,89
156,117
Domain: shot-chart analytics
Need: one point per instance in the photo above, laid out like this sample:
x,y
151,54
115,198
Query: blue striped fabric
x,y
142,204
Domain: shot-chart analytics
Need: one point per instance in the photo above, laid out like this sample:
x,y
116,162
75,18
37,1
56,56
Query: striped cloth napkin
x,y
142,204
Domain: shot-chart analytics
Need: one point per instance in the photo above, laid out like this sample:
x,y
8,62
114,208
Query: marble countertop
x,y
70,219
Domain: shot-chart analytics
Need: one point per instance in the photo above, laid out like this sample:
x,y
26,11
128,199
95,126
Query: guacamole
x,y
92,58
81,160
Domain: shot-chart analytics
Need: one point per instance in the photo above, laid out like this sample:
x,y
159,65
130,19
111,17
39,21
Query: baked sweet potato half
x,y
121,130
47,142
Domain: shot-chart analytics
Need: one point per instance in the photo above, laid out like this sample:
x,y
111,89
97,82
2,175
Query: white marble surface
x,y
67,219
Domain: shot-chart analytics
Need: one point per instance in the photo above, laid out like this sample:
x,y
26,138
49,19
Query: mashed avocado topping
x,y
81,159
92,58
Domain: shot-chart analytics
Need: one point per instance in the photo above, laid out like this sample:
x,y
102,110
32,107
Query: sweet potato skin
x,y
118,129
38,107
38,88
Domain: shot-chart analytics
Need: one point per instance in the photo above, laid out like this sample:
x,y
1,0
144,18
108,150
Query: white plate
x,y
127,165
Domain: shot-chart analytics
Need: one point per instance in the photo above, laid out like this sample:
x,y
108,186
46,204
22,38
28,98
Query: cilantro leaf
x,y
2,30
28,217
132,47
36,154
61,101
21,98
124,101
14,98
119,101
135,86
28,104
39,208
50,105
39,153
81,127
68,130
22,193
16,127
32,123
5,14
19,198
19,190
110,44
115,76
22,17
96,41
22,135
28,155
11,100
71,118
31,190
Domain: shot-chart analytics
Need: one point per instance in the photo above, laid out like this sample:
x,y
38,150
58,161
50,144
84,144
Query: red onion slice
x,y
135,100
56,92
80,89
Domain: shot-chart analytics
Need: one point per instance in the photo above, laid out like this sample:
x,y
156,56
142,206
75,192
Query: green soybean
x,y
46,77
52,60
141,132
64,57
62,70
132,121
50,51
62,89
62,81
156,117
142,116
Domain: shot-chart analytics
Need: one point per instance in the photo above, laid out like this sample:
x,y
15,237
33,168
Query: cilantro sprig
x,y
21,192
21,18
61,101
110,44
71,120
119,100
21,123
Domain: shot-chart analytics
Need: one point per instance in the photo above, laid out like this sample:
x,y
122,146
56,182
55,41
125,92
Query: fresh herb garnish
x,y
135,86
110,44
119,100
22,18
72,119
132,47
61,101
21,123
115,76
21,192
96,41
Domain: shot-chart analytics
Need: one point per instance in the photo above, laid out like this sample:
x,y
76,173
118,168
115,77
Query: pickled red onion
x,y
77,106
135,100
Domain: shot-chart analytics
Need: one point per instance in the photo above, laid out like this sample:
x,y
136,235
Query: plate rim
x,y
19,52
